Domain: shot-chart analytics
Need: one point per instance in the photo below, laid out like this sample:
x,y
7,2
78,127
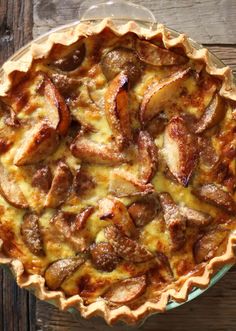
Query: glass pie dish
x,y
118,10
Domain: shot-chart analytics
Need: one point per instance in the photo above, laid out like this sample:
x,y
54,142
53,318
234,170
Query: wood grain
x,y
210,22
16,23
206,21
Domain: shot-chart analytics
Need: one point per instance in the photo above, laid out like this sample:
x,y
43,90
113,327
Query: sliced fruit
x,y
31,235
10,190
124,184
126,290
64,223
58,112
81,219
121,59
115,211
206,247
157,56
60,270
104,257
42,179
212,115
116,110
37,145
90,151
159,94
195,217
128,249
71,61
144,211
148,156
216,196
60,187
175,222
82,182
180,150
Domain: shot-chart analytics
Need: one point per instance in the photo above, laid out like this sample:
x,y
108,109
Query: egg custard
x,y
117,169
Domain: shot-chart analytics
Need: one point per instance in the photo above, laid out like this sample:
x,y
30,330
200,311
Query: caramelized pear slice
x,y
216,196
148,156
180,150
60,187
60,270
123,184
143,211
115,211
161,93
128,249
126,290
119,60
71,61
175,222
205,248
10,190
58,111
90,151
104,257
31,235
116,109
157,56
37,145
81,219
195,217
212,115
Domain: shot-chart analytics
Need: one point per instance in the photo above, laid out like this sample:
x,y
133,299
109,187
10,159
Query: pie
x,y
117,169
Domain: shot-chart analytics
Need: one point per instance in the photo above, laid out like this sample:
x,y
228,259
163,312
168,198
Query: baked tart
x,y
118,175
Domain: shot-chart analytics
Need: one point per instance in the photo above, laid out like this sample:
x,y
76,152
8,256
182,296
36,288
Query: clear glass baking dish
x,y
122,11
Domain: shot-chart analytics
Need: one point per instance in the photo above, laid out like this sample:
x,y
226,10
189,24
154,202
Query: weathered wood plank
x,y
226,53
206,21
212,311
16,23
1,299
15,308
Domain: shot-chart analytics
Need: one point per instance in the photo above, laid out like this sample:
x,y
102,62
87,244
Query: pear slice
x,y
60,187
90,151
114,210
157,56
126,290
180,150
30,232
58,111
128,249
60,270
103,256
124,184
161,93
148,156
175,222
37,145
116,109
212,115
205,248
10,190
216,196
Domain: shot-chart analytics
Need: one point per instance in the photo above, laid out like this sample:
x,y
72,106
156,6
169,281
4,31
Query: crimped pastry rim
x,y
36,283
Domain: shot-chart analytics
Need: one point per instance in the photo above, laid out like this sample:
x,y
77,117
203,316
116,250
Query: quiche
x,y
117,169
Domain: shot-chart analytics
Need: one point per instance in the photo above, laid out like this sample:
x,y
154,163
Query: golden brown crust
x,y
177,291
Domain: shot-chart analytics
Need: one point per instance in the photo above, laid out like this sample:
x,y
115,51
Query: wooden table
x,y
210,22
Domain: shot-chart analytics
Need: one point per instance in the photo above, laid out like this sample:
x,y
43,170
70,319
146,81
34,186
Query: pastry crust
x,y
177,291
